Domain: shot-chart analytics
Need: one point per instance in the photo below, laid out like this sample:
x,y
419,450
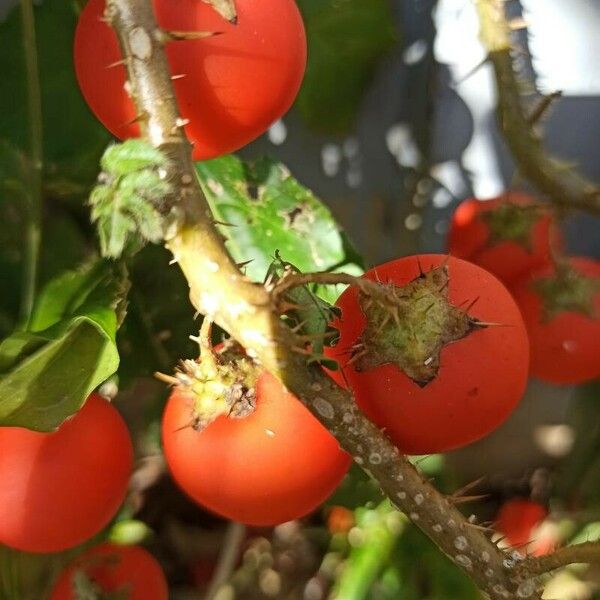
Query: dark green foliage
x,y
346,39
47,372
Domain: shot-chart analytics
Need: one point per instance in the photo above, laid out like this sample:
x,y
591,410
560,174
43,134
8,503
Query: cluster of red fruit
x,y
518,240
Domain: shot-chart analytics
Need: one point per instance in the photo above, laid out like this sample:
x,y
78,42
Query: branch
x,y
564,186
246,310
588,552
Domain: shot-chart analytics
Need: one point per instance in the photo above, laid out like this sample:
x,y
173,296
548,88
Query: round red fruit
x,y
59,489
276,464
501,237
517,520
110,568
561,310
443,363
230,87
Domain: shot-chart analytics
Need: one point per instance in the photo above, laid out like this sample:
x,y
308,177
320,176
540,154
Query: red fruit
x,y
114,568
497,236
274,465
565,341
235,85
449,398
517,520
59,489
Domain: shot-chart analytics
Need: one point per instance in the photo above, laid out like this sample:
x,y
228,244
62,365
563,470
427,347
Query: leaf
x,y
346,39
267,211
124,202
46,373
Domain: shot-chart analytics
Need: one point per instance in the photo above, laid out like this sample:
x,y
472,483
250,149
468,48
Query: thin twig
x,y
563,185
232,542
33,231
588,552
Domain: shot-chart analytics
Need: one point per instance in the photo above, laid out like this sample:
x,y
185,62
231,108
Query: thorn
x,y
471,72
180,76
472,304
465,499
517,23
177,36
118,63
136,119
234,20
477,323
166,378
225,224
243,264
303,351
421,273
468,487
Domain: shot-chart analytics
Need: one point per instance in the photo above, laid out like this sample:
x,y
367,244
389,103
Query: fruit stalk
x,y
565,187
247,311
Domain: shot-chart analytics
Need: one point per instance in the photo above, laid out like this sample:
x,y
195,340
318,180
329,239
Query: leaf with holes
x,y
267,211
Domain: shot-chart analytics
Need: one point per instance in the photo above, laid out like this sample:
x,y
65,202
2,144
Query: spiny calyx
x,y
409,326
218,383
512,222
567,290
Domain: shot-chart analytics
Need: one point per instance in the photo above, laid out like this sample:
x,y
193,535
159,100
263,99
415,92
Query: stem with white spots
x,y
248,312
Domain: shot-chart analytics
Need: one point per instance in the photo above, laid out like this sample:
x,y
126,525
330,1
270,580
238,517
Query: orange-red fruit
x,y
517,520
481,378
59,489
231,87
113,568
565,349
469,238
277,464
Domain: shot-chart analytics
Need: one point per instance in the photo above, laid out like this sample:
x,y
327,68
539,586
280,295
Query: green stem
x,y
34,107
381,528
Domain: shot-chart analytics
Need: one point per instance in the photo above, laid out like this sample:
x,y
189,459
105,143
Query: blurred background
x,y
394,126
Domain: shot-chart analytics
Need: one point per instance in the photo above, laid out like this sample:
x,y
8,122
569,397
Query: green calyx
x,y
511,222
410,326
567,291
220,384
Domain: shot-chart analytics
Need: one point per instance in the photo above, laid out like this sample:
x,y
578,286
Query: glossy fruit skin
x,y
59,489
235,86
565,349
517,520
481,379
469,238
115,567
277,464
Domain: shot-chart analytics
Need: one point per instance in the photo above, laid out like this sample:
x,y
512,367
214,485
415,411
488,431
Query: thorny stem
x,y
34,216
564,186
588,552
246,310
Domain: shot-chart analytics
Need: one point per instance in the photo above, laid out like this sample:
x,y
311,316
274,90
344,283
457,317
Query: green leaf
x,y
268,211
46,373
124,202
346,39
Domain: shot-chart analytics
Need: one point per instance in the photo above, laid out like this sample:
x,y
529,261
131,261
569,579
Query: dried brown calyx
x,y
567,290
410,325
